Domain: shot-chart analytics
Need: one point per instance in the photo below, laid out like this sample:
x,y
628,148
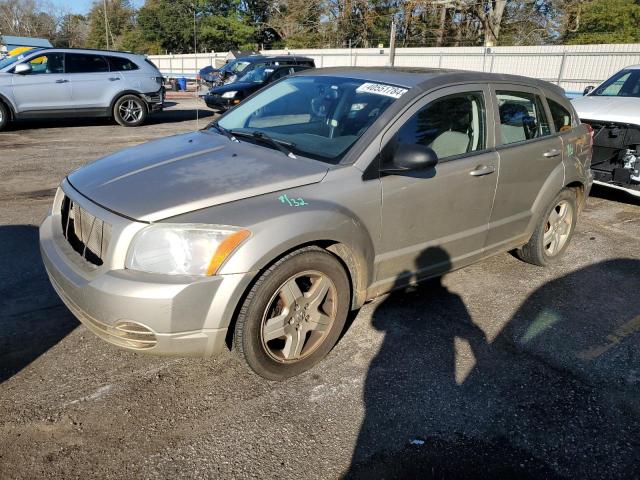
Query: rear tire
x,y
130,111
4,116
553,234
293,315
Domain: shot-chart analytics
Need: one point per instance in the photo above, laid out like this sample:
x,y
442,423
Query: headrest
x,y
513,114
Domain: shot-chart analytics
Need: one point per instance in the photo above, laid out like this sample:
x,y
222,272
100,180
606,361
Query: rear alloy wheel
x,y
130,111
553,234
4,116
293,315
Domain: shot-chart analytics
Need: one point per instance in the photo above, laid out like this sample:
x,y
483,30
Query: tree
x,y
220,25
27,18
606,21
120,19
73,31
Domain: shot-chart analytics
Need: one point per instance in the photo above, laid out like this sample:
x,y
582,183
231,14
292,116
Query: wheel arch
x,y
122,94
355,269
5,101
579,188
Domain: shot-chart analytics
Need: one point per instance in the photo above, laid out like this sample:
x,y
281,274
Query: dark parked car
x,y
223,97
236,69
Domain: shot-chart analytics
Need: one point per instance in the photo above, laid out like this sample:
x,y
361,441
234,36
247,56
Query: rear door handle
x,y
62,80
482,170
113,79
551,153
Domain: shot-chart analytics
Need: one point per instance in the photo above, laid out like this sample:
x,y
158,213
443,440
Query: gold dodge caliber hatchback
x,y
328,188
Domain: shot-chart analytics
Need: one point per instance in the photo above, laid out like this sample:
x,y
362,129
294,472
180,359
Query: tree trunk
x,y
441,26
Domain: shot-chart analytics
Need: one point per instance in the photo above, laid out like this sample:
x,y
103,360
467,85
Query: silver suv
x,y
52,82
318,193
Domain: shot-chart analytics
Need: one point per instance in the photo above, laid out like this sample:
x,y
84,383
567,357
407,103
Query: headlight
x,y
183,249
230,94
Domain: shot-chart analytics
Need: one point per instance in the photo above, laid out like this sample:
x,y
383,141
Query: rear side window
x,y
120,64
452,125
85,63
522,117
560,115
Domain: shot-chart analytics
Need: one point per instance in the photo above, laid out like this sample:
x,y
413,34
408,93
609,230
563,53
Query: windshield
x,y
234,67
9,61
257,75
317,116
623,84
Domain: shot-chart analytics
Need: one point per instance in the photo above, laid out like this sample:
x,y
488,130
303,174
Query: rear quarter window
x,y
120,64
561,116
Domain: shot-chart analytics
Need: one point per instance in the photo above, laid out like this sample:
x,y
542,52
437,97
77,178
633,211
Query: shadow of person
x,y
554,395
32,317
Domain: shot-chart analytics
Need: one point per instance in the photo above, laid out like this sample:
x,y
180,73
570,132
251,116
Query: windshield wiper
x,y
222,130
283,146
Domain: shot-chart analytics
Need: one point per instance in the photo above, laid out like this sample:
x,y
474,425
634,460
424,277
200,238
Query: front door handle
x,y
62,80
481,170
551,153
113,79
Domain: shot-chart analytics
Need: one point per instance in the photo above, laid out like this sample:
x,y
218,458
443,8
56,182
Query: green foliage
x,y
120,19
220,25
607,21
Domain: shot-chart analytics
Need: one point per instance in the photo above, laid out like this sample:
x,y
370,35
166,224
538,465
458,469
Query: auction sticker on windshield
x,y
381,89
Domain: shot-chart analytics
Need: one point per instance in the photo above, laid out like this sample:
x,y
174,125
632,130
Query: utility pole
x,y
106,24
392,43
195,35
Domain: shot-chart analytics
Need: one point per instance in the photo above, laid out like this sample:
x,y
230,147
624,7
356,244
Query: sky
x,y
83,6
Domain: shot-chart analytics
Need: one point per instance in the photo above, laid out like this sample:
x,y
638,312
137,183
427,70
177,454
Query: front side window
x,y
319,117
451,126
49,63
85,63
560,115
623,84
522,117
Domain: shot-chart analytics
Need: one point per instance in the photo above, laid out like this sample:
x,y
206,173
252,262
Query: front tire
x,y
293,315
4,116
130,111
553,233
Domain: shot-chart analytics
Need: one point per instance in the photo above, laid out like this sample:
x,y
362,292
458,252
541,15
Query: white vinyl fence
x,y
571,66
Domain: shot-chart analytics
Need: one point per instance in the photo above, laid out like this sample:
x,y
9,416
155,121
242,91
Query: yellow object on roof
x,y
19,50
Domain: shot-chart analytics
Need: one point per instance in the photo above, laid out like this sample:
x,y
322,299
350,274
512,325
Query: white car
x,y
55,82
613,111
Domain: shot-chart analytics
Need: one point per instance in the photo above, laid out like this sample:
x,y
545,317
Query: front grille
x,y
87,235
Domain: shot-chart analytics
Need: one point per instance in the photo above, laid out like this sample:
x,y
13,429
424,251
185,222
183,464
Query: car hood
x,y
179,174
231,87
610,109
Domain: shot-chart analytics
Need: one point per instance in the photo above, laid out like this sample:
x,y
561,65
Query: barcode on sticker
x,y
381,89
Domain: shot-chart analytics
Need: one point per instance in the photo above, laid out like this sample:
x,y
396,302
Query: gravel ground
x,y
499,370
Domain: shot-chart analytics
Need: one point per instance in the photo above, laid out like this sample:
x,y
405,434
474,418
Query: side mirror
x,y
22,69
588,90
411,157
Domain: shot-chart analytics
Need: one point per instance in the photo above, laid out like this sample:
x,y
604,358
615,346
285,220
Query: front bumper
x,y
216,102
158,314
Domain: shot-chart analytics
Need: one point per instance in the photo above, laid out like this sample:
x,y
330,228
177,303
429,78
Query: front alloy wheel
x,y
293,315
299,316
